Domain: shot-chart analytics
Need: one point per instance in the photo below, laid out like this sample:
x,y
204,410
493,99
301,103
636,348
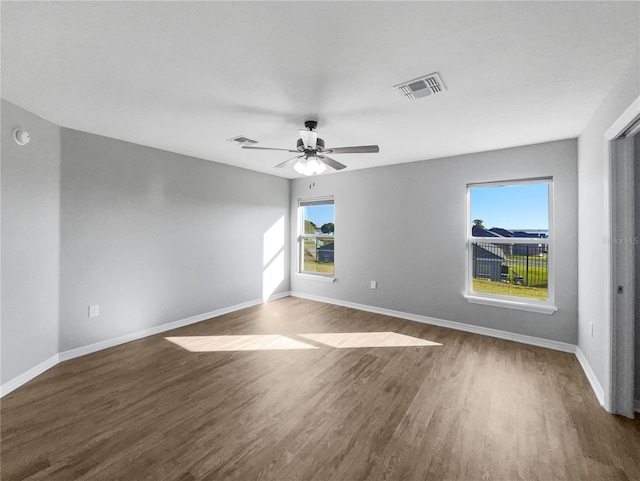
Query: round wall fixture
x,y
21,136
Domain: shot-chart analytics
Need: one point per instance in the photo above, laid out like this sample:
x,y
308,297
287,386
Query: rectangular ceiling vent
x,y
421,87
242,140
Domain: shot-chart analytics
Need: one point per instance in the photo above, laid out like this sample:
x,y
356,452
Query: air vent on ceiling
x,y
421,87
242,140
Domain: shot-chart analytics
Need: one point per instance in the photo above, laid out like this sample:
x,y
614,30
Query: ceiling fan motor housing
x,y
319,145
311,124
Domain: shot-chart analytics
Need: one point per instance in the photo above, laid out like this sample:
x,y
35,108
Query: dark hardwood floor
x,y
471,408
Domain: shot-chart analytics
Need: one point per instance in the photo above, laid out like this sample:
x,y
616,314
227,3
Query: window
x,y
510,244
315,237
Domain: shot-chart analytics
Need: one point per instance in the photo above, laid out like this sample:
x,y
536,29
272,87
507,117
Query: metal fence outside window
x,y
518,264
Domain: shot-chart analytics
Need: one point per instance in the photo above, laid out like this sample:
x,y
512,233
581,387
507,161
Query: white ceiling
x,y
186,76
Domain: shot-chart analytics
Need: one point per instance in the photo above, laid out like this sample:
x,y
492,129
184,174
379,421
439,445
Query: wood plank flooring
x,y
472,408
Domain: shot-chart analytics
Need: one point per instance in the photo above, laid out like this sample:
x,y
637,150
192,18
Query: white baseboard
x,y
99,346
459,326
27,376
591,377
534,341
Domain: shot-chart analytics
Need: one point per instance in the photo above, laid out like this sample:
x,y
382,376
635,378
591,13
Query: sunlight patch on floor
x,y
238,343
368,339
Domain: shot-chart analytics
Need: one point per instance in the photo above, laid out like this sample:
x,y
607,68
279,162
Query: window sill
x,y
313,277
522,306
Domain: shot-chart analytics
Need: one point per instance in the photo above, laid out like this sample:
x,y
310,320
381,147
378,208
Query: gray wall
x,y
154,237
593,151
30,242
151,236
404,226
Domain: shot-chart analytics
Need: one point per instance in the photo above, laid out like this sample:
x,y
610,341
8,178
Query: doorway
x,y
636,243
625,264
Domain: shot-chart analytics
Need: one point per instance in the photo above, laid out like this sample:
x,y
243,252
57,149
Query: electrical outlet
x,y
94,311
374,284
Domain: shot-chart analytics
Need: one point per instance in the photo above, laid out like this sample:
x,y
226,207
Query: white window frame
x,y
512,302
302,236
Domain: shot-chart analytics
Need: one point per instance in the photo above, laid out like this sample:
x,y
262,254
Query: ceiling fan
x,y
312,158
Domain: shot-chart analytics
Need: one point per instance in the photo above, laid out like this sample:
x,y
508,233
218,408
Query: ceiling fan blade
x,y
286,162
360,149
266,148
331,162
309,138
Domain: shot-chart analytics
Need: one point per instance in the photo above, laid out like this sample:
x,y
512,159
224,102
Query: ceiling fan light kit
x,y
313,160
309,166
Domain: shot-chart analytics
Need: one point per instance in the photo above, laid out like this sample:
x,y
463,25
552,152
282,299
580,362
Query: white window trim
x,y
512,302
316,276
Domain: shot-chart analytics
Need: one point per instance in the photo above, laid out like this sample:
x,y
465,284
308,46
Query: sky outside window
x,y
319,214
512,207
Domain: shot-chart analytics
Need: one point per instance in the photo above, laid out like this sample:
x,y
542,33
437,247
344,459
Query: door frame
x,y
619,219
